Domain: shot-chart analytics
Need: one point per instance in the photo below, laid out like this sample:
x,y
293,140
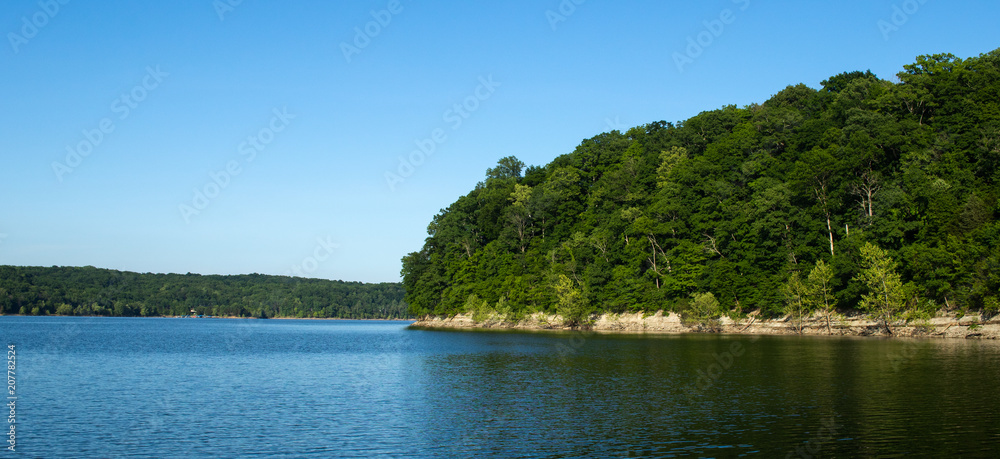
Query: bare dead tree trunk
x,y
821,195
866,189
652,260
600,244
714,247
829,229
788,244
656,247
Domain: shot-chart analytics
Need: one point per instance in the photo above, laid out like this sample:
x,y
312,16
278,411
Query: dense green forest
x,y
91,291
866,194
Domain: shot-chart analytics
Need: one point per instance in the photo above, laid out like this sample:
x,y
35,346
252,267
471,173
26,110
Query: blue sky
x,y
121,118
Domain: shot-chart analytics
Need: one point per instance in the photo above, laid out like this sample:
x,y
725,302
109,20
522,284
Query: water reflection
x,y
211,388
632,396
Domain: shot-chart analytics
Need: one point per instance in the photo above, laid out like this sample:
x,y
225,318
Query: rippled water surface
x,y
100,387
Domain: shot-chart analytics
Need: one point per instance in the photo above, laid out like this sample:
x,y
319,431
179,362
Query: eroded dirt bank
x,y
943,326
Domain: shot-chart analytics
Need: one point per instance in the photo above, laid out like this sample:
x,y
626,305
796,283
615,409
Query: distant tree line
x,y
864,194
90,291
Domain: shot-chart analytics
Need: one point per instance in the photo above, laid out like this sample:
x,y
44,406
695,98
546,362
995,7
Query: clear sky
x,y
229,137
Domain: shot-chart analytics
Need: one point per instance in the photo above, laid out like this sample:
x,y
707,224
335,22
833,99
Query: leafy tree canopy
x,y
90,291
811,187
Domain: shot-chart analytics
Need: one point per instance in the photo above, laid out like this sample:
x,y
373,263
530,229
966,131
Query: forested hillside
x,y
105,292
864,194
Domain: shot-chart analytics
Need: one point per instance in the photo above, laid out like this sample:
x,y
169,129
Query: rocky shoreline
x,y
970,326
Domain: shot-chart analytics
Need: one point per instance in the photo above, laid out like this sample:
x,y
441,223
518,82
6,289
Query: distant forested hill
x,y
93,291
867,193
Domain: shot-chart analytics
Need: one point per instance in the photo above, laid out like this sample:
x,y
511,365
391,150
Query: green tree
x,y
519,216
571,303
819,281
507,168
704,311
886,298
64,309
798,299
668,161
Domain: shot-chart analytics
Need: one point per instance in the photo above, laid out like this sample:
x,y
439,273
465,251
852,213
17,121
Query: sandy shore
x,y
943,326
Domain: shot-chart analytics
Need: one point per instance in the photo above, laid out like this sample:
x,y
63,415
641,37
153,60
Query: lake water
x,y
103,387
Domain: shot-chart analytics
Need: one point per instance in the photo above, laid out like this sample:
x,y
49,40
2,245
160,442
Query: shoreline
x,y
212,317
944,326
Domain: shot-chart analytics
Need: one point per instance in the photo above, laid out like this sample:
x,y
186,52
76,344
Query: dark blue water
x,y
96,387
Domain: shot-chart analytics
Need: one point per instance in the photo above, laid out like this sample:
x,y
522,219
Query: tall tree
x,y
798,299
508,167
819,281
885,298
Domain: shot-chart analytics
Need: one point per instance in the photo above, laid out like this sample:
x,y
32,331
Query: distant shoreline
x,y
943,326
212,317
318,318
